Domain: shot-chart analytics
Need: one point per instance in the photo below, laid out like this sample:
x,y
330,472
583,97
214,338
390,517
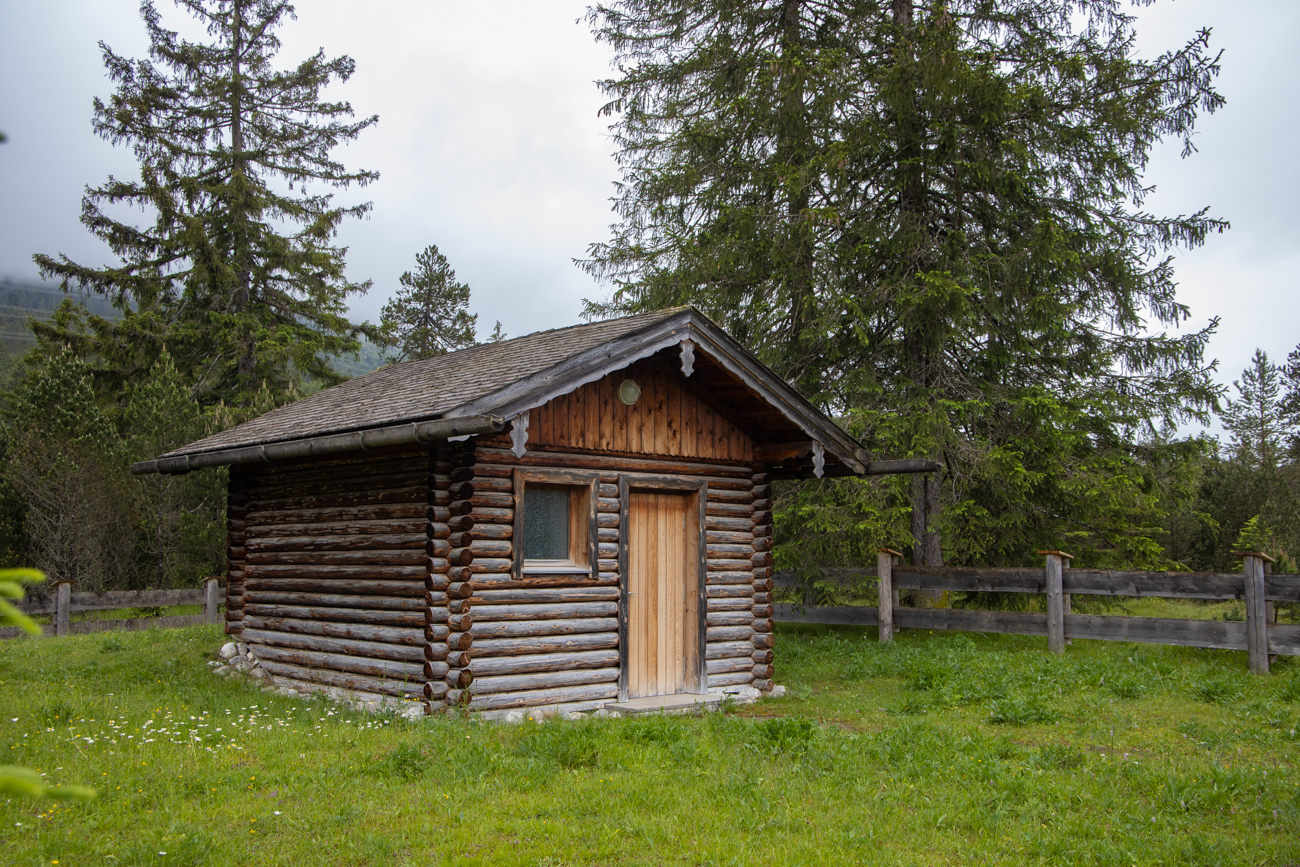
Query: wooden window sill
x,y
555,569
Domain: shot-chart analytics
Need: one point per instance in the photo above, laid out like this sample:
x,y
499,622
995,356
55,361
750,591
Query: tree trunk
x,y
793,154
922,353
159,545
238,213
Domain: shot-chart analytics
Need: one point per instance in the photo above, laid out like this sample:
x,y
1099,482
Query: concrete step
x,y
679,703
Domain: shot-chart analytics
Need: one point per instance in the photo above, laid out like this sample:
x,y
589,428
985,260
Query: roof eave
x,y
371,438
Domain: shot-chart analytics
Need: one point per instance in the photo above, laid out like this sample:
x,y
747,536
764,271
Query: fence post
x,y
886,593
1055,570
1256,610
1270,609
62,606
211,599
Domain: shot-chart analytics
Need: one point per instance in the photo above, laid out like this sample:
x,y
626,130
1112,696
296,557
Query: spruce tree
x,y
235,268
1291,403
182,517
1252,487
429,315
68,461
1255,418
922,211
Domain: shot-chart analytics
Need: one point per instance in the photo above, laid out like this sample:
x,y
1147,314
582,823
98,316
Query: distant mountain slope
x,y
24,299
21,300
371,357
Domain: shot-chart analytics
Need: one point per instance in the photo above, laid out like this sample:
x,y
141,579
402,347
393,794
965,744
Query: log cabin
x,y
573,519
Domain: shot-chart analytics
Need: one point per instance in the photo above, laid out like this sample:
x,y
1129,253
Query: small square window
x,y
554,522
547,516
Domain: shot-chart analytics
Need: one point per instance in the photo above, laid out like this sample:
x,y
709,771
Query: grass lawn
x,y
939,749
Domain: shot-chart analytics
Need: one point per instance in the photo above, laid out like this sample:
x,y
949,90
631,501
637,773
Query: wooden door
x,y
663,594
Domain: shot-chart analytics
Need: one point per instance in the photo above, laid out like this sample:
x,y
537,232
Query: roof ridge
x,y
665,312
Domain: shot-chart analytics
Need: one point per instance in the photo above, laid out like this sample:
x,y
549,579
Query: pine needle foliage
x,y
430,314
933,211
1255,418
182,523
234,267
68,461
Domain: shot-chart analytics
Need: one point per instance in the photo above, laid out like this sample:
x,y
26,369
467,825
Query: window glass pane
x,y
546,523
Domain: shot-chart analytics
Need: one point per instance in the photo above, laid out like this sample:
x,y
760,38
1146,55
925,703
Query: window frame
x,y
583,558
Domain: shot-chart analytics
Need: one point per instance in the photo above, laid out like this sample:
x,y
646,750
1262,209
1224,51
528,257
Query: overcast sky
x,y
489,144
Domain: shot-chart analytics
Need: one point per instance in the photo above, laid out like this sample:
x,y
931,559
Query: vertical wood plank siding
x,y
668,420
553,639
327,566
663,580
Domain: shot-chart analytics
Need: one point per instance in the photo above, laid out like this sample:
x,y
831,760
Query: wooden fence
x,y
1256,635
65,602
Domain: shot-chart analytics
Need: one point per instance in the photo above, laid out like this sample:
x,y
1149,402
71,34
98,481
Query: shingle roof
x,y
426,388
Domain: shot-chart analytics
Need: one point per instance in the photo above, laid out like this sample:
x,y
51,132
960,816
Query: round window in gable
x,y
629,392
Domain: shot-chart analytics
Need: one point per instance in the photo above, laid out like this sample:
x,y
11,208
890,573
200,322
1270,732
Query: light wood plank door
x,y
663,594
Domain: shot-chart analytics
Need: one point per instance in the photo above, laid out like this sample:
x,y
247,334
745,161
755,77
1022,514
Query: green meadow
x,y
938,749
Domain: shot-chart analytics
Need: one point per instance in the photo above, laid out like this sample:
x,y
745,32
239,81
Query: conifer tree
x,y
926,211
1291,403
182,517
1255,417
430,314
235,267
69,463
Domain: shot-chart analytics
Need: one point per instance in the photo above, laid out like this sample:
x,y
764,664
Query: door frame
x,y
649,482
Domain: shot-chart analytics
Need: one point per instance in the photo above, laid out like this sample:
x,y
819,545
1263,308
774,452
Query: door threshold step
x,y
680,703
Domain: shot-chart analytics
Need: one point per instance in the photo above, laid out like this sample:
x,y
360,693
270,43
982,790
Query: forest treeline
x,y
928,217
932,219
227,299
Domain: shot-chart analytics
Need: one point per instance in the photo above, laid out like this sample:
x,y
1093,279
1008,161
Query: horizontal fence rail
x,y
63,603
1078,582
1255,635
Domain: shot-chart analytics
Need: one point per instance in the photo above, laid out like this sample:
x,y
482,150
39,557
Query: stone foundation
x,y
236,659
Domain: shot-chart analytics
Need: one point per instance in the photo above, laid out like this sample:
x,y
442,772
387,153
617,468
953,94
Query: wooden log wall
x,y
449,580
236,535
763,639
329,561
553,639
